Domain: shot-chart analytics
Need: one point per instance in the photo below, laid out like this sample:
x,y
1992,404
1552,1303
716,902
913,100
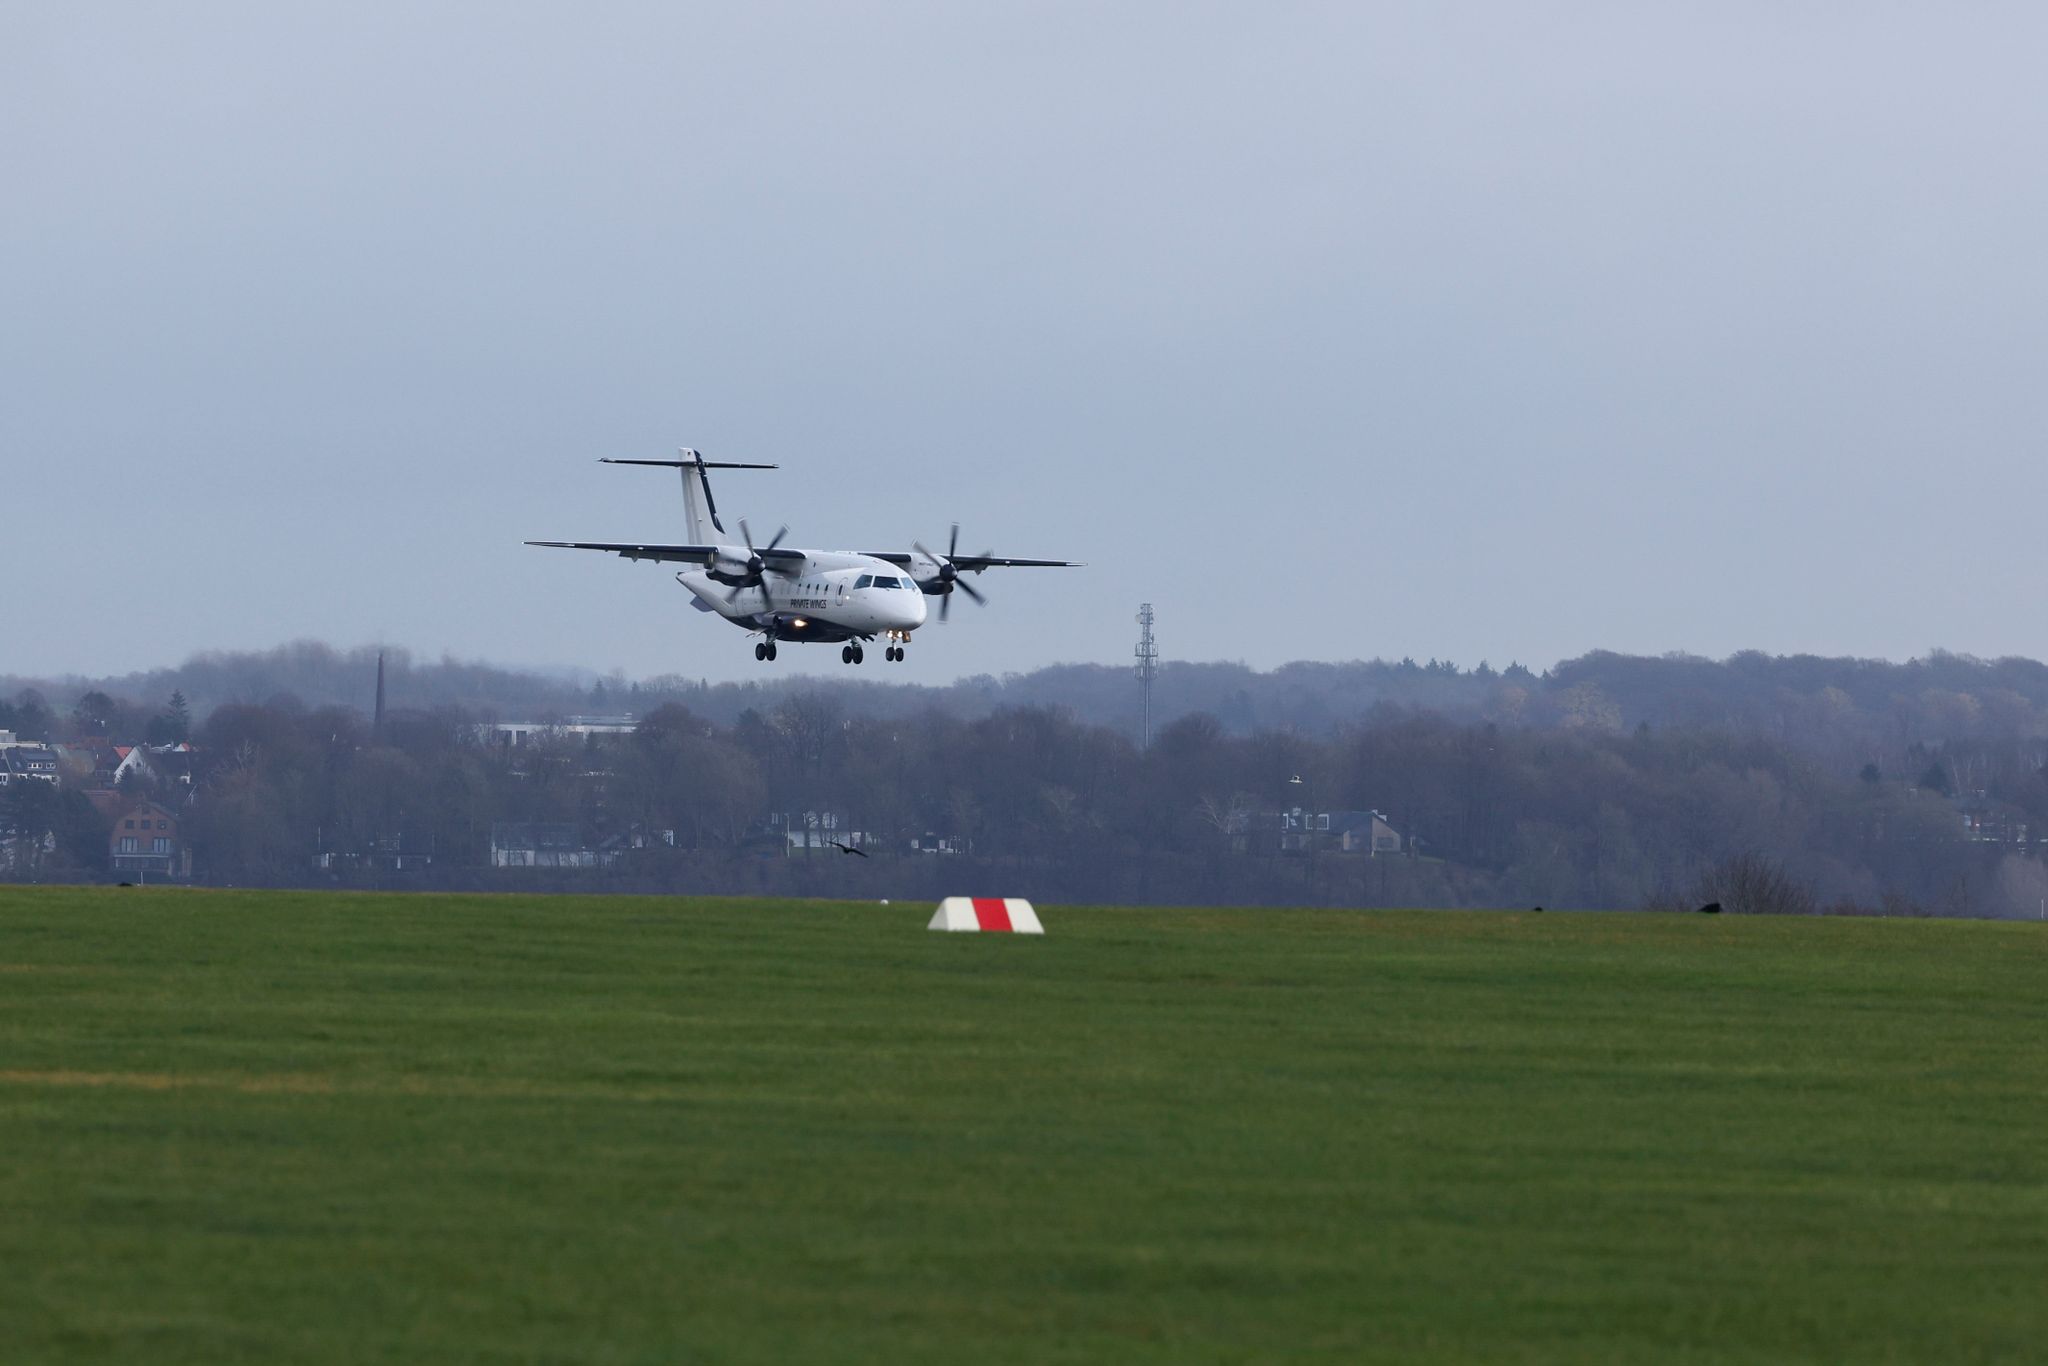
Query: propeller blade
x,y
971,591
778,536
953,546
945,607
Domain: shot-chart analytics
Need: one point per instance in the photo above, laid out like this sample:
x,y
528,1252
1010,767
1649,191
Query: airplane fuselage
x,y
829,596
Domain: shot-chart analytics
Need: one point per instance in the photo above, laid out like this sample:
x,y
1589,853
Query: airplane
x,y
779,593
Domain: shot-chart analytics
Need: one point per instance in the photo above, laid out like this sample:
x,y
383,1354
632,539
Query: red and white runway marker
x,y
992,914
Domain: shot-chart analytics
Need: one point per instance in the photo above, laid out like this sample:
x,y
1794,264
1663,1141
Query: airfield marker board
x,y
991,914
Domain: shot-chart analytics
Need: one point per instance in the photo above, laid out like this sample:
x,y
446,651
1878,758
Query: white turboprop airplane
x,y
840,597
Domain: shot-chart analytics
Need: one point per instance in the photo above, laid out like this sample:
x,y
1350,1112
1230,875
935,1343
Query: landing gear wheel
x,y
895,653
859,655
760,650
846,654
771,650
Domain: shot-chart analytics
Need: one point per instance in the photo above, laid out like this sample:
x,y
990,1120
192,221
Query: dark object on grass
x,y
847,849
1536,908
1711,908
127,884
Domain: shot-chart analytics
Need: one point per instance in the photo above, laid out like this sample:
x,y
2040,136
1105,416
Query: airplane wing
x,y
689,554
977,563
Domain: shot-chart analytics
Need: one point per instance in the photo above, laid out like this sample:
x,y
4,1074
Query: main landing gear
x,y
853,654
764,650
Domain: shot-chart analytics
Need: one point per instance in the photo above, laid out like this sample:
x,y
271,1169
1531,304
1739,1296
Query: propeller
x,y
756,574
948,577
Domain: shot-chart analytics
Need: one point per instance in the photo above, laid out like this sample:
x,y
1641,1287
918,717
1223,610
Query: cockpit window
x,y
885,581
864,581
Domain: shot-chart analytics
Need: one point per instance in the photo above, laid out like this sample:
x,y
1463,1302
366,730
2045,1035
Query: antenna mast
x,y
1148,666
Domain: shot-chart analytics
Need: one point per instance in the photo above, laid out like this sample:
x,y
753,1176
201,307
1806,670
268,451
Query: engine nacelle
x,y
733,566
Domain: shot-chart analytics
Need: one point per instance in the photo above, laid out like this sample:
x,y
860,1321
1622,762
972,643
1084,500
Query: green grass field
x,y
270,1127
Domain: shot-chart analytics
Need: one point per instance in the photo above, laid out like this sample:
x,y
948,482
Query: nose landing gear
x,y
894,654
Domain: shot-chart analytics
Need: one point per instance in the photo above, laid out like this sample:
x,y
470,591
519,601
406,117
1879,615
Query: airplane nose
x,y
913,612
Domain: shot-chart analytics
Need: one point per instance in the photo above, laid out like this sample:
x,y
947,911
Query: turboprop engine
x,y
941,583
728,566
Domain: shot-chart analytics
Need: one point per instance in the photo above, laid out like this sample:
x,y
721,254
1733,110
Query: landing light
x,y
799,623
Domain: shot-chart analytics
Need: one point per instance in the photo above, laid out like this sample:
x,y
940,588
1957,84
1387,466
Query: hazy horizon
x,y
583,675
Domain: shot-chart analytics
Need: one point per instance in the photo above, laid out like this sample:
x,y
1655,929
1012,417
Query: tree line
x,y
1045,803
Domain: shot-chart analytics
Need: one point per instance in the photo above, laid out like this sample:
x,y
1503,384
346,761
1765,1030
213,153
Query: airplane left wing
x,y
976,563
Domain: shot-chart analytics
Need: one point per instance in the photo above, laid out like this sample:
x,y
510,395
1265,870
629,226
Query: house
x,y
1298,830
514,734
131,761
172,763
145,840
1987,822
929,843
539,844
393,853
20,763
93,762
1365,832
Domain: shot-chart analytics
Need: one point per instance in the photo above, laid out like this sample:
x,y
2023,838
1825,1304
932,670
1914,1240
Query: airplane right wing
x,y
687,554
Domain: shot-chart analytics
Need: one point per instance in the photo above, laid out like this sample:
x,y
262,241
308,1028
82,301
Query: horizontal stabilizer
x,y
689,464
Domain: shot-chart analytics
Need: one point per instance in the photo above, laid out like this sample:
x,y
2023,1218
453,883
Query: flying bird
x,y
847,849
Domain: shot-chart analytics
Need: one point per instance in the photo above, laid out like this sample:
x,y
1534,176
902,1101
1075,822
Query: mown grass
x,y
271,1127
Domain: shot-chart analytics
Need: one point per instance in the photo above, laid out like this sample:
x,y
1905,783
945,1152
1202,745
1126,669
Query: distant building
x,y
538,844
516,733
1348,832
1988,822
20,762
145,840
131,761
384,854
172,763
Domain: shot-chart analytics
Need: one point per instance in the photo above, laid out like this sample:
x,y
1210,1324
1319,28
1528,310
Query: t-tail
x,y
700,510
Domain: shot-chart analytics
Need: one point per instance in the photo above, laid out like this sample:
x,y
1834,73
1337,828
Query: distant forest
x,y
1608,781
1869,710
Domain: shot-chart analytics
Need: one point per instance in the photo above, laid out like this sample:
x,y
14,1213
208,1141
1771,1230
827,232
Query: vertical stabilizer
x,y
699,515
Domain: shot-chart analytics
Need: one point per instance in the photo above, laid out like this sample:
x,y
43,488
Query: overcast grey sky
x,y
1502,331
